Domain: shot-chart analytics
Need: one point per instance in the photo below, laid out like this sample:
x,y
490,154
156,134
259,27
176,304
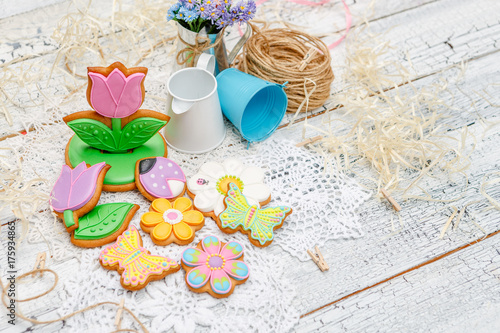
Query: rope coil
x,y
189,54
278,55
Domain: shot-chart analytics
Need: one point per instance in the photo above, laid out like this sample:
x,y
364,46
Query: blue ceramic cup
x,y
256,107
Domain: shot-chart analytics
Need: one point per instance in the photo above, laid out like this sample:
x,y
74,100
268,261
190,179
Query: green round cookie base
x,y
122,170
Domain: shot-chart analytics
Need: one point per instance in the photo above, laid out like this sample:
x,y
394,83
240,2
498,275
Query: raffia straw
x,y
484,184
462,212
448,222
56,279
397,132
22,197
129,34
275,55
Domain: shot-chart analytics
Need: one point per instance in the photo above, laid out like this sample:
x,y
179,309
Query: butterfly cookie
x,y
259,224
135,264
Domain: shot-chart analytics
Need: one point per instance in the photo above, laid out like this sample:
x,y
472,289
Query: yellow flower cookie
x,y
172,224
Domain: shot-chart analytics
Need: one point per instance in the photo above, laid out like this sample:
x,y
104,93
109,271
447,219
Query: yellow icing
x,y
193,217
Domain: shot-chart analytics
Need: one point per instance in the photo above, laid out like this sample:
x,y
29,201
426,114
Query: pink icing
x,y
116,95
172,215
155,181
74,188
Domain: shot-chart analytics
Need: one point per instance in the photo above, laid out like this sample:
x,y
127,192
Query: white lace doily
x,y
262,303
324,202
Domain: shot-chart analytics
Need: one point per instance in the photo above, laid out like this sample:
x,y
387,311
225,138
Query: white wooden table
x,y
412,281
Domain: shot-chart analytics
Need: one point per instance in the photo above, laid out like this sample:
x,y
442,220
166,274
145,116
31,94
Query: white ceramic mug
x,y
196,124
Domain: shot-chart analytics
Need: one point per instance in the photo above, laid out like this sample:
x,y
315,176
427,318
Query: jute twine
x,y
187,55
7,299
276,55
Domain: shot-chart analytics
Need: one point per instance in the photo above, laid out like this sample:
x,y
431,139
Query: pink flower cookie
x,y
135,264
210,185
214,267
159,177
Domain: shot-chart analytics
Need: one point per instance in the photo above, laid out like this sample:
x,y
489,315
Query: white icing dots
x,y
169,165
155,185
164,187
162,176
176,172
160,167
152,175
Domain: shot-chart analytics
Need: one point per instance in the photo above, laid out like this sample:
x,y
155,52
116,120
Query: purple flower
x,y
205,9
189,4
215,14
246,10
223,21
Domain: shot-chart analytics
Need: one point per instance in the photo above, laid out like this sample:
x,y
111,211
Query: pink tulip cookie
x,y
76,192
159,177
214,267
134,263
209,186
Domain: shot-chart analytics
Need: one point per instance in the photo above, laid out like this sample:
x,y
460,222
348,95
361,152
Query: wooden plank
x,y
458,293
406,36
425,35
357,264
10,8
29,36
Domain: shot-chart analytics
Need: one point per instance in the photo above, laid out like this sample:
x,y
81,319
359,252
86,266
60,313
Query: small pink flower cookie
x,y
214,267
135,264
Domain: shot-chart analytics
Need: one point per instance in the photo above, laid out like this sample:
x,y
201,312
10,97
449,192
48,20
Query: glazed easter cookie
x,y
209,186
103,224
117,131
167,223
135,264
159,177
259,224
77,191
214,267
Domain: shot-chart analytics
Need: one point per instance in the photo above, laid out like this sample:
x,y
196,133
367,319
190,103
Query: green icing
x,y
69,221
102,221
94,133
122,164
139,131
116,140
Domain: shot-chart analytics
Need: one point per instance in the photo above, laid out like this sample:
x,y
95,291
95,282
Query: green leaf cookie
x,y
102,221
94,133
139,131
